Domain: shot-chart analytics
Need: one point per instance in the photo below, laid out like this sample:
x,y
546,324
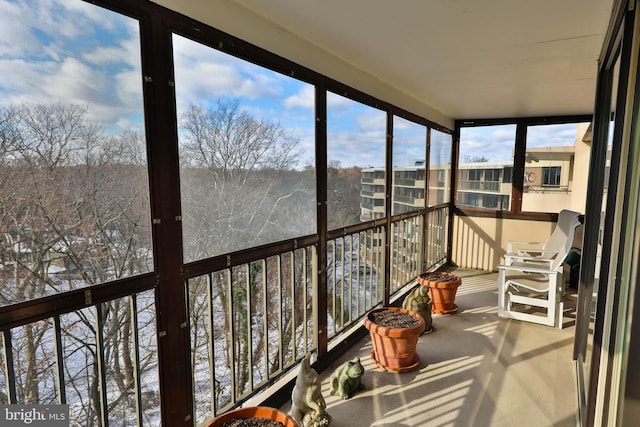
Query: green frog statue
x,y
346,379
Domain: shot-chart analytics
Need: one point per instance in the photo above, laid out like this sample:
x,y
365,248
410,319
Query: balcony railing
x,y
490,186
101,361
251,319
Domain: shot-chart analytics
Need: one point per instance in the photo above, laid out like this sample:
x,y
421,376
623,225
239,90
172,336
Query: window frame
x,y
551,173
517,176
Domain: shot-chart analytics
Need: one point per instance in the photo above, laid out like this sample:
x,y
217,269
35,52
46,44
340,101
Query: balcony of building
x,y
196,195
477,370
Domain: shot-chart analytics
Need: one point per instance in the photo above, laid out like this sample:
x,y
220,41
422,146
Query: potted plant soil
x,y
254,416
394,334
442,290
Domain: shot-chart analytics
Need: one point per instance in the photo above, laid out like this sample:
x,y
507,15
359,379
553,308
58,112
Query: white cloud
x,y
552,135
305,98
203,73
371,120
15,36
49,53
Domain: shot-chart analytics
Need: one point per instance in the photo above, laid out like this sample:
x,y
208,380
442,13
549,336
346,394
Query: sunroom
x,y
196,195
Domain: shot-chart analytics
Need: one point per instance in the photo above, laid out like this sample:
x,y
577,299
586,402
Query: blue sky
x,y
496,143
72,51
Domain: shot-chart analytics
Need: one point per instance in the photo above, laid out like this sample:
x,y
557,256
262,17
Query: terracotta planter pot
x,y
255,412
394,349
442,290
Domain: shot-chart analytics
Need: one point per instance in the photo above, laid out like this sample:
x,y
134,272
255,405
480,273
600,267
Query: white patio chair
x,y
543,252
531,290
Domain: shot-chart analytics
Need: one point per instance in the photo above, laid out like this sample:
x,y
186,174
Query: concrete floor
x,y
477,370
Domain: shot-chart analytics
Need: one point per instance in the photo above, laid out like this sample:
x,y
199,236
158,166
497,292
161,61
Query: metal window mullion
x,y
232,337
59,353
8,367
104,411
133,306
249,329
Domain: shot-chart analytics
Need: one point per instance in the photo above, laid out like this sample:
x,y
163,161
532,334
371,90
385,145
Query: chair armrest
x,y
519,258
526,268
510,244
523,251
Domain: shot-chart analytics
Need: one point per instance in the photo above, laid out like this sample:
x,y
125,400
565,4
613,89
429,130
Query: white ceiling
x,y
463,58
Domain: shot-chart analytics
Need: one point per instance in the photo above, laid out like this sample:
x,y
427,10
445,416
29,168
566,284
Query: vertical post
x,y
231,347
59,352
518,166
455,161
102,375
321,198
174,367
8,366
388,209
249,337
422,262
133,307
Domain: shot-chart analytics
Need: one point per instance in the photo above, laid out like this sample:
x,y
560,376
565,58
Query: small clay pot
x,y
442,290
394,348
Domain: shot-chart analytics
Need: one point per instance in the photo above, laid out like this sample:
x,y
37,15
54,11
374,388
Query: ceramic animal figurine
x,y
419,302
346,379
307,404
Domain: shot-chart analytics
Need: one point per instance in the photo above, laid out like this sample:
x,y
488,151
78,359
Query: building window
x,y
409,169
490,201
551,176
356,135
492,175
507,175
485,151
474,174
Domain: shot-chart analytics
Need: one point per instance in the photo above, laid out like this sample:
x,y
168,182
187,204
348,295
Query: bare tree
x,y
72,214
240,190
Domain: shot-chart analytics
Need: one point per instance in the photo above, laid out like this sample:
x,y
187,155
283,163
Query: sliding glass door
x,y
609,249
